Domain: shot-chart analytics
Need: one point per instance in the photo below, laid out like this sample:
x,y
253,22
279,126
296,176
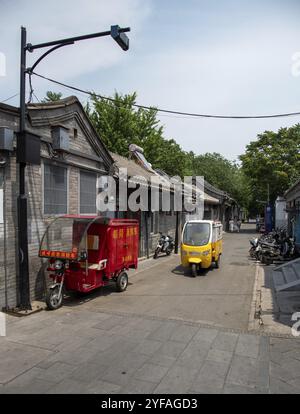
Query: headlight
x,y
206,253
58,265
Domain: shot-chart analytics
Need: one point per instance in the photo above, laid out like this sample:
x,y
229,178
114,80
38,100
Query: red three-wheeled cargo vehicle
x,y
87,252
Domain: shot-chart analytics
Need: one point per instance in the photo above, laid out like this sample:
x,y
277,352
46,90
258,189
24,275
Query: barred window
x,y
88,192
55,189
151,222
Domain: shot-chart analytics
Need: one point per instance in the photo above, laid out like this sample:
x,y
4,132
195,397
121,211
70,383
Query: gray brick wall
x,y
37,221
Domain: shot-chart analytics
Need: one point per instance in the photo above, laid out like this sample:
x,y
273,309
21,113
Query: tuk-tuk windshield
x,y
196,234
66,234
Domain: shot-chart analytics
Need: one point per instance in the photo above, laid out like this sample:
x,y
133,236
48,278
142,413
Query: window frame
x,y
60,165
79,192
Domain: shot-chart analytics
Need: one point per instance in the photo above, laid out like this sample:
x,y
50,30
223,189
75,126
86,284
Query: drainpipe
x,y
3,163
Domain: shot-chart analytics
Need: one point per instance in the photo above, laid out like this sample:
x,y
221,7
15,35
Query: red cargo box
x,y
85,252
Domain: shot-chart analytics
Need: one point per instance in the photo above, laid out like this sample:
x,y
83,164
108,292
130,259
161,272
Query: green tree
x,y
120,124
52,96
223,174
272,164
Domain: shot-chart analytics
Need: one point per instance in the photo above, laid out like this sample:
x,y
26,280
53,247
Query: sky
x,y
228,57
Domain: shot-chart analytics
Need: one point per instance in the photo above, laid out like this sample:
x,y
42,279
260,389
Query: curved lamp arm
x,y
31,69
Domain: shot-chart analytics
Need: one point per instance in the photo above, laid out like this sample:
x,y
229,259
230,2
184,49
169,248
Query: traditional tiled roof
x,y
134,169
293,188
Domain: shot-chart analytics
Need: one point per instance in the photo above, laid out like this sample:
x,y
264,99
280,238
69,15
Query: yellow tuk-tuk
x,y
201,245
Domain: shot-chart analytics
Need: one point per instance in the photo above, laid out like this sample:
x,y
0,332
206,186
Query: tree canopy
x,y
120,124
272,164
52,96
222,173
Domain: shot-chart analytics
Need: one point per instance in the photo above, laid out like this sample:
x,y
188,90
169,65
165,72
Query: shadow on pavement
x,y
283,304
73,299
246,229
182,271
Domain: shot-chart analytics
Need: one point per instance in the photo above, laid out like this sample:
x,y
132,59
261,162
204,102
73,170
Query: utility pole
x,y
28,150
24,295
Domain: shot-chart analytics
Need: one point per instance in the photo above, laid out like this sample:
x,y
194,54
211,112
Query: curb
x,y
255,322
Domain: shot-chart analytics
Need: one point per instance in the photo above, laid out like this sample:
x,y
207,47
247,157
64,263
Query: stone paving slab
x,y
16,359
248,346
225,341
178,380
247,371
212,375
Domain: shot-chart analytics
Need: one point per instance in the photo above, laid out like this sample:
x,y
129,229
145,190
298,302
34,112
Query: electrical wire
x,y
167,111
9,98
31,90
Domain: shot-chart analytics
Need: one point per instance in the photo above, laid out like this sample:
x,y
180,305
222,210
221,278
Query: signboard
x,y
58,254
268,219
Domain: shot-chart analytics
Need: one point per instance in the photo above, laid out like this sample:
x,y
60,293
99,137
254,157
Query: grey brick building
x,y
292,197
73,157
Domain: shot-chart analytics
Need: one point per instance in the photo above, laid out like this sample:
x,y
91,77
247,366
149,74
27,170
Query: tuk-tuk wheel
x,y
52,300
194,270
218,263
122,282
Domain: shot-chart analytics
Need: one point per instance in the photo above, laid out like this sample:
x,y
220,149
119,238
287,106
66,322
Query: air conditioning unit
x,y
6,139
60,138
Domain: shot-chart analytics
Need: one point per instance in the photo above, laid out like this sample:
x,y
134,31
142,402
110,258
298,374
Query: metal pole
x,y
176,233
24,295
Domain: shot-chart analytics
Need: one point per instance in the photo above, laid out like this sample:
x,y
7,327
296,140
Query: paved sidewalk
x,y
79,351
276,309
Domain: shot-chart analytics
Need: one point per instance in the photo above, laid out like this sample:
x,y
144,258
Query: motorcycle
x,y
275,245
165,245
253,248
282,249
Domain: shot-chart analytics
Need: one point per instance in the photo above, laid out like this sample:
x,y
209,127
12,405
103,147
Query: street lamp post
x,y
23,144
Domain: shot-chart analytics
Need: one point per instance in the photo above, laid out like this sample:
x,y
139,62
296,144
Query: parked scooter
x,y
283,248
273,246
254,245
257,242
165,245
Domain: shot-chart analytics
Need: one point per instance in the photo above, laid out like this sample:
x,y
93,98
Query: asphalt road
x,y
221,297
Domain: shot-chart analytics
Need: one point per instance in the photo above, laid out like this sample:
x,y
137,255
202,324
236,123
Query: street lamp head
x,y
120,37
